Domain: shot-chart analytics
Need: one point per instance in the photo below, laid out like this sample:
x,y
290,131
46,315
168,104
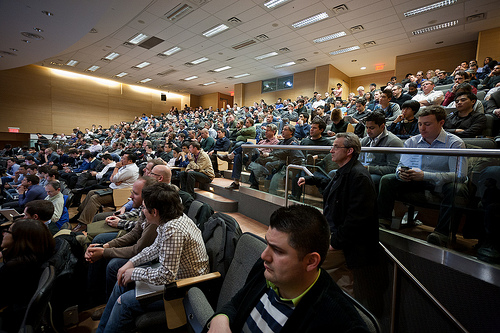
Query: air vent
x,y
178,12
161,55
284,50
262,38
474,18
188,64
370,43
31,35
301,60
229,59
340,9
356,28
164,86
211,71
167,72
56,63
244,44
129,45
229,77
151,42
234,21
199,3
93,31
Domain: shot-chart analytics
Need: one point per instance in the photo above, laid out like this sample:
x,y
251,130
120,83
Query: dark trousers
x,y
392,188
189,178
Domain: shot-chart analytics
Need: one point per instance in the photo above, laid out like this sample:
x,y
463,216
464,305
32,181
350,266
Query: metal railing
x,y
297,167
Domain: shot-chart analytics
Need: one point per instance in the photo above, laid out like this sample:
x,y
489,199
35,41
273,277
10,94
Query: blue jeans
x,y
111,271
120,316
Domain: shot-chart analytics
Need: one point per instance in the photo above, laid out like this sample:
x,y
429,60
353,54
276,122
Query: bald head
x,y
162,173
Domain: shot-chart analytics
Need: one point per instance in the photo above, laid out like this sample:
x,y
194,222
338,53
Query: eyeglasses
x,y
335,147
154,174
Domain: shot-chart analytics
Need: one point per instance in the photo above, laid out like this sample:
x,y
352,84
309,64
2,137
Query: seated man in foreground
x,y
417,173
287,291
178,247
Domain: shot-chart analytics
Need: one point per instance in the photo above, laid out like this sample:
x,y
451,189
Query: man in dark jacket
x,y
349,205
287,281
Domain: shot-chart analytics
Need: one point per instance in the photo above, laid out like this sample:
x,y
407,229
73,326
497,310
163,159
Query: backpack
x,y
221,234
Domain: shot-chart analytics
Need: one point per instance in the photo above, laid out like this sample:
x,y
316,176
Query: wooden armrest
x,y
196,279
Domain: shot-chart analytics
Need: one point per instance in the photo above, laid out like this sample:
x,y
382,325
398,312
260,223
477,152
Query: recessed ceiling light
x,y
435,27
145,80
171,51
267,55
93,68
363,67
71,63
199,61
240,75
122,74
275,3
47,13
137,39
143,64
291,63
191,78
329,37
215,30
352,48
222,69
26,41
209,83
15,50
310,20
430,7
38,29
112,55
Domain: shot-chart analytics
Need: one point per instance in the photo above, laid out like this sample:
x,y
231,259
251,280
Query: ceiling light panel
x,y
72,63
310,20
112,55
122,74
222,69
143,64
171,51
199,61
240,75
329,37
275,3
430,7
93,68
178,12
291,63
348,49
190,78
137,39
209,83
145,80
435,27
215,30
267,55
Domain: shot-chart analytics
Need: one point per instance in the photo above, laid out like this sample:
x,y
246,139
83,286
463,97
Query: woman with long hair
x,y
26,246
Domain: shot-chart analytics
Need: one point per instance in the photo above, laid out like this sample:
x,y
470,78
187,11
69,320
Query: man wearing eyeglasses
x,y
349,205
460,77
428,96
398,96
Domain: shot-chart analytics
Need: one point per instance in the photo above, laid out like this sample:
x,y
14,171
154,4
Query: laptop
x,y
10,214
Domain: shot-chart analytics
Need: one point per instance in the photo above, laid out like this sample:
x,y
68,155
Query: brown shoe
x,y
97,314
233,186
80,227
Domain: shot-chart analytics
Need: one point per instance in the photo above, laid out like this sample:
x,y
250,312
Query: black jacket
x,y
323,308
350,207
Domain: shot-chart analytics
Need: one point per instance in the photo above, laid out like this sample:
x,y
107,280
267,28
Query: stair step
x,y
248,224
218,202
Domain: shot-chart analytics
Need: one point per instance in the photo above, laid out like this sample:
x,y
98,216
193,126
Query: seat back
x,y
248,250
38,304
120,196
369,319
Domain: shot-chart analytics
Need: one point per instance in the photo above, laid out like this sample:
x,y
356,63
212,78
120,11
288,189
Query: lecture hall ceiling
x,y
89,31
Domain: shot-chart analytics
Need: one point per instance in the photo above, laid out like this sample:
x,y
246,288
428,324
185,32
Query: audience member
x,y
465,122
429,96
406,125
